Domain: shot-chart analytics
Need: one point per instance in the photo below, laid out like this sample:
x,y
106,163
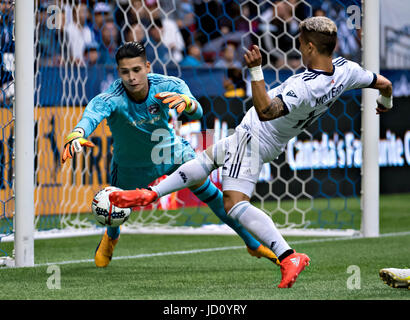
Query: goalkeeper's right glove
x,y
74,142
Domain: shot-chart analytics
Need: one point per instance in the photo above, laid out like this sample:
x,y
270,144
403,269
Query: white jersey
x,y
306,97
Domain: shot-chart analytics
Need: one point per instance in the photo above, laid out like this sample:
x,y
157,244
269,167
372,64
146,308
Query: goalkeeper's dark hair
x,y
131,49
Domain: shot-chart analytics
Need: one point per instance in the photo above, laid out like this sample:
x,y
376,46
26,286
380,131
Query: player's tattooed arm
x,y
267,108
273,110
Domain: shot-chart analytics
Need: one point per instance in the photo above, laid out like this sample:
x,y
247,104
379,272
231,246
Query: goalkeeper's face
x,y
133,72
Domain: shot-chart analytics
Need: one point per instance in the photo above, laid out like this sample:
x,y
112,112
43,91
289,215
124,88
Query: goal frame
x,y
370,121
24,139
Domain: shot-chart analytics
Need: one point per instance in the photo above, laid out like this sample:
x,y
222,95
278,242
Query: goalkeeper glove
x,y
74,142
177,101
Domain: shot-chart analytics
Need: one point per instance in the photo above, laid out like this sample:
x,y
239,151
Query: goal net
x,y
314,185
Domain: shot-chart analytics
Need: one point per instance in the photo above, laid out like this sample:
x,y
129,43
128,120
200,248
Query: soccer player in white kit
x,y
276,117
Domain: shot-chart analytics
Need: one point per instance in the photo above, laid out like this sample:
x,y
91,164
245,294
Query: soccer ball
x,y
106,213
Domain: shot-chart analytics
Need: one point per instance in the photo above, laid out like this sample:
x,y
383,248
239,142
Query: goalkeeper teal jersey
x,y
141,133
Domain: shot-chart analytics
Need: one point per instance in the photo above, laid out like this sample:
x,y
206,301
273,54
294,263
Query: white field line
x,y
195,251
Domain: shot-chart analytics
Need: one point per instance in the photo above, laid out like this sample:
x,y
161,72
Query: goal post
x,y
24,134
370,121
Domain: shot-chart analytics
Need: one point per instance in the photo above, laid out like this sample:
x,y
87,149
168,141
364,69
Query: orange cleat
x,y
291,267
132,198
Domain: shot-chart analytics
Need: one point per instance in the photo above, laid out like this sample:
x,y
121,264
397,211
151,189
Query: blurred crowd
x,y
184,33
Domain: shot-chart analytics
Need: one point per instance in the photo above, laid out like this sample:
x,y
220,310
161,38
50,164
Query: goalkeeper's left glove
x,y
177,101
74,142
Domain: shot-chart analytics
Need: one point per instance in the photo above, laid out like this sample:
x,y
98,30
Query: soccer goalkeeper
x,y
136,107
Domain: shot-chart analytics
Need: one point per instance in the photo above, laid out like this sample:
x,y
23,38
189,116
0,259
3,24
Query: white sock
x,y
187,175
260,225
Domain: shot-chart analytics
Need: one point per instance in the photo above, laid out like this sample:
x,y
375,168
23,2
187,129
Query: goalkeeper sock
x,y
261,225
212,196
187,175
113,232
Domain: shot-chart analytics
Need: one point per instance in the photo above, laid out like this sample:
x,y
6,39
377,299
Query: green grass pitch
x,y
186,267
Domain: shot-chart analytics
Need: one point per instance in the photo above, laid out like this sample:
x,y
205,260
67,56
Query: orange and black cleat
x,y
291,267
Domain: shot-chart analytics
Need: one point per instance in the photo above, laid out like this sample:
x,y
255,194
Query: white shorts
x,y
241,163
